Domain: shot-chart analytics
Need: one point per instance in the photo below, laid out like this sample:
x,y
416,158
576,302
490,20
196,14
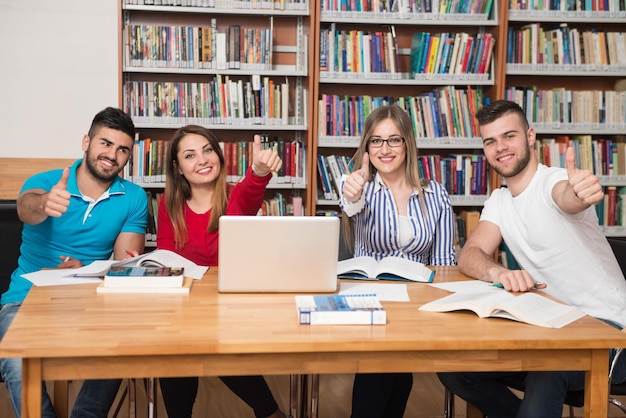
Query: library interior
x,y
304,75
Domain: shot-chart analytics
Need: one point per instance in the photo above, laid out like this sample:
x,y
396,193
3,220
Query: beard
x,y
91,163
517,168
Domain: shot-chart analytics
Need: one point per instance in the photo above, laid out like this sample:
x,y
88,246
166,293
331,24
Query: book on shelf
x,y
470,220
360,309
529,307
388,268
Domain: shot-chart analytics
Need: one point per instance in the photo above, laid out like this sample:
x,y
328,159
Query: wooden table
x,y
71,332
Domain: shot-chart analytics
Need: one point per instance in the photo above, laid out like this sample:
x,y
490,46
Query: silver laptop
x,y
287,254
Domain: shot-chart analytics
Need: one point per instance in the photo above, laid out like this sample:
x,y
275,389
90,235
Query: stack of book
x,y
138,279
160,271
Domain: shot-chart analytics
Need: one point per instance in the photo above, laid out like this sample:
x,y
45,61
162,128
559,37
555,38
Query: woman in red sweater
x,y
195,198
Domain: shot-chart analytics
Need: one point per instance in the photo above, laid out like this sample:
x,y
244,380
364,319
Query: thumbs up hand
x,y
584,184
264,161
57,199
354,184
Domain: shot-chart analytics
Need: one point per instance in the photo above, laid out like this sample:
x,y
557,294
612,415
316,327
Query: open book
x,y
389,268
531,308
164,258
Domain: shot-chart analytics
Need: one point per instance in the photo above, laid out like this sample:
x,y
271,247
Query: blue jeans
x,y
544,392
93,401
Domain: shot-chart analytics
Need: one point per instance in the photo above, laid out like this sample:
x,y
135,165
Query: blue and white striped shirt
x,y
377,227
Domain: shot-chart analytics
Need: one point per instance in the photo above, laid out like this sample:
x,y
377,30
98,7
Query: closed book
x,y
118,276
360,309
183,289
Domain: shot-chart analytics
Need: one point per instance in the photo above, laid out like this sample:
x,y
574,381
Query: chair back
x,y
10,241
619,249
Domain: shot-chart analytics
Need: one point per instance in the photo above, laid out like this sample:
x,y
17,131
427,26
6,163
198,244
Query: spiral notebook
x,y
278,254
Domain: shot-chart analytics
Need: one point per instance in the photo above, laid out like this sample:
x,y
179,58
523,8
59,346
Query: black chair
x,y
11,239
576,398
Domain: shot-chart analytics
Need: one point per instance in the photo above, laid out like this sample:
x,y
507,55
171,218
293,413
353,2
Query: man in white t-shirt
x,y
547,218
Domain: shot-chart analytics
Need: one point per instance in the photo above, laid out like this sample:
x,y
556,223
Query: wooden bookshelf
x,y
403,82
237,68
567,68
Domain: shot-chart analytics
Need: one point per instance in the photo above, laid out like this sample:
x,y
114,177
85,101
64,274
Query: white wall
x,y
58,68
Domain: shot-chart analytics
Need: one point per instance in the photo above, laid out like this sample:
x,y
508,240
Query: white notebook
x,y
278,254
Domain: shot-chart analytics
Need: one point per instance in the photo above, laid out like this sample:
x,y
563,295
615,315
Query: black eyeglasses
x,y
393,142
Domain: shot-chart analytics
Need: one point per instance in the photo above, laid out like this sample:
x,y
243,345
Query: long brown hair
x,y
178,190
411,168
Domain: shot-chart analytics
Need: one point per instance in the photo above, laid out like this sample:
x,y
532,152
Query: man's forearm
x,y
474,262
30,207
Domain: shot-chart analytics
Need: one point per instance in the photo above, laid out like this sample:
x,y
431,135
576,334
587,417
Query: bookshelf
x,y
566,66
369,56
238,68
329,94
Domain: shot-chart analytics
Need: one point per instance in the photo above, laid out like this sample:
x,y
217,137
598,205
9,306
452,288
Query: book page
x,y
404,269
363,266
538,310
467,286
91,273
480,303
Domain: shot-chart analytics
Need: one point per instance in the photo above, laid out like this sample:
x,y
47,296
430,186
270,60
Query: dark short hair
x,y
498,108
113,118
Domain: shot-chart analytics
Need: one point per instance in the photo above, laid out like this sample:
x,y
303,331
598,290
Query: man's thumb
x,y
63,181
570,161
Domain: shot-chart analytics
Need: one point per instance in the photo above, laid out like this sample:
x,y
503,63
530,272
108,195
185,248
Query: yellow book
x,y
434,49
470,218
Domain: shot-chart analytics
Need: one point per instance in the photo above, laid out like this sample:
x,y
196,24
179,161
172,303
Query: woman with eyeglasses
x,y
389,210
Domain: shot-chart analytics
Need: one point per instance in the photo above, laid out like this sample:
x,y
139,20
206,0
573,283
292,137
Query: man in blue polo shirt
x,y
72,217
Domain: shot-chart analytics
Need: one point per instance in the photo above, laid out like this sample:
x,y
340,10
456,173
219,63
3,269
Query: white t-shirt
x,y
568,252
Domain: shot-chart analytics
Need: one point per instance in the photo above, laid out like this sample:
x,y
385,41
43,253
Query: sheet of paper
x,y
384,291
91,273
466,286
57,281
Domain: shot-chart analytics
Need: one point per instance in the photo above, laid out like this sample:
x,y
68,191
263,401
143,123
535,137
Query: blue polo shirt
x,y
86,232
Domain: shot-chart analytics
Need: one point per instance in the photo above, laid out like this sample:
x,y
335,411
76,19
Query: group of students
x,y
545,215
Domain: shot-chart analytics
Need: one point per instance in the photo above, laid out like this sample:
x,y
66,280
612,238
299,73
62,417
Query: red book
x,y
437,164
611,193
487,40
287,160
294,164
467,54
489,55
